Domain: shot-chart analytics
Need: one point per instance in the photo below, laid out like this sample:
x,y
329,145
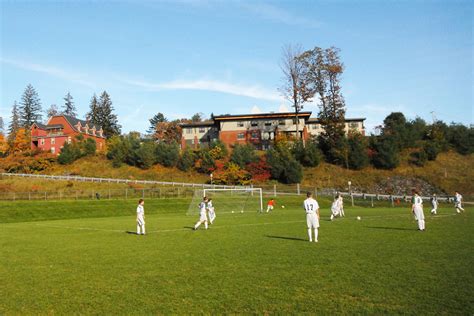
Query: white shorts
x,y
270,207
419,213
335,211
312,220
140,220
202,217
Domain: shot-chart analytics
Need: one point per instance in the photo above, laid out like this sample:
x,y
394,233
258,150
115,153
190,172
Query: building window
x,y
254,135
202,130
268,123
281,122
240,124
42,141
354,125
294,121
53,141
69,140
254,123
189,130
240,136
53,150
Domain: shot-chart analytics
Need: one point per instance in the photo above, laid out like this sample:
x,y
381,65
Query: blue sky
x,y
188,56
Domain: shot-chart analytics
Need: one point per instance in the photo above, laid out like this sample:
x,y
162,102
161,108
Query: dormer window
x,y
78,126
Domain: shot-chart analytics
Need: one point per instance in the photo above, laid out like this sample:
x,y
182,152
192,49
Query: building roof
x,y
198,124
73,121
54,126
277,115
40,125
356,119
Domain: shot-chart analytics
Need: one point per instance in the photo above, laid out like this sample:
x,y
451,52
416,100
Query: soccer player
x,y
434,204
140,217
311,207
458,202
210,211
341,206
202,214
270,205
417,209
336,207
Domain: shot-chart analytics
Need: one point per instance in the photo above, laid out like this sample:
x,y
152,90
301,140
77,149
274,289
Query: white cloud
x,y
254,91
49,70
276,14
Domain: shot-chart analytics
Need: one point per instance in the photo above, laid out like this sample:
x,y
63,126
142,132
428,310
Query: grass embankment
x,y
245,263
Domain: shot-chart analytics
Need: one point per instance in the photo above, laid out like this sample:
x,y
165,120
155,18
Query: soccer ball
x,y
232,211
358,218
241,211
283,206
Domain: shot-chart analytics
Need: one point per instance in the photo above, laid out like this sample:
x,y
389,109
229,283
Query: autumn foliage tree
x,y
168,132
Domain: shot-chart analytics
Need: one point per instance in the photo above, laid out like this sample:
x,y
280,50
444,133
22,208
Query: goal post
x,y
235,200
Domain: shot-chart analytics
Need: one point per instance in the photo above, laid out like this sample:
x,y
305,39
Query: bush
x,y
308,155
146,155
167,154
186,160
386,154
431,150
205,163
78,148
259,170
358,156
243,155
231,174
218,150
284,166
418,158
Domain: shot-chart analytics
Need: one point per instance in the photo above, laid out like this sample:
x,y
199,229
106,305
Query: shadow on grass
x,y
391,228
131,233
189,227
287,238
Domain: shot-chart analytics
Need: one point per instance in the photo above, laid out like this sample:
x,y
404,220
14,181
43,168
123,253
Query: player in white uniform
x,y
211,212
341,206
417,209
336,206
140,217
434,204
202,214
311,207
458,202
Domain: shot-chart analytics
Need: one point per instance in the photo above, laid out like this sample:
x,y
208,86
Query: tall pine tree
x,y
93,115
52,111
157,118
107,119
69,107
14,125
30,107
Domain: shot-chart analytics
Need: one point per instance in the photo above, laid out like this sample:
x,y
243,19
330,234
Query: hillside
x,y
449,172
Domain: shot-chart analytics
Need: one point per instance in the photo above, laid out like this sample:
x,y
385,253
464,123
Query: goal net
x,y
229,200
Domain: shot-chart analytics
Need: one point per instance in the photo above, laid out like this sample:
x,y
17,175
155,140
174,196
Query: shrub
x,y
284,166
431,150
231,174
243,155
358,156
78,148
218,150
309,155
167,154
418,158
186,160
386,154
260,170
146,155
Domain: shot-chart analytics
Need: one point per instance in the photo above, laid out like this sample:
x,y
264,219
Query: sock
x,y
197,225
138,229
420,224
332,216
205,224
143,229
309,234
315,234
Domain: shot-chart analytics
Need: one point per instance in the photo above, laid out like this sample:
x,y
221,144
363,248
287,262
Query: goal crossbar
x,y
258,190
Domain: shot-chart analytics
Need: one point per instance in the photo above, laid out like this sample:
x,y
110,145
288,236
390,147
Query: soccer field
x,y
245,263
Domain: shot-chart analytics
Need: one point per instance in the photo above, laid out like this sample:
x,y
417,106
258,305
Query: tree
x,y
294,87
146,154
168,132
78,148
358,155
107,119
52,111
93,116
21,141
307,155
218,150
2,126
30,107
461,138
3,145
198,117
284,166
157,118
322,69
186,160
167,154
243,155
14,123
395,127
69,107
386,153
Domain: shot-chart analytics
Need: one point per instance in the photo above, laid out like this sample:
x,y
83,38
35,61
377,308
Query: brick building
x,y
258,129
61,129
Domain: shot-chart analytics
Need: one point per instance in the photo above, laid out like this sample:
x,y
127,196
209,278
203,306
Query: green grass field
x,y
77,257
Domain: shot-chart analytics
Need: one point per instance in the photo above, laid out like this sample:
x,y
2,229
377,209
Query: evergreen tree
x,y
358,156
52,111
386,155
308,155
14,125
69,107
93,115
107,119
158,118
243,155
1,125
186,160
30,107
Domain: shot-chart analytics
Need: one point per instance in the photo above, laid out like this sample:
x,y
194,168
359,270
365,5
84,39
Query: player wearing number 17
x,y
311,207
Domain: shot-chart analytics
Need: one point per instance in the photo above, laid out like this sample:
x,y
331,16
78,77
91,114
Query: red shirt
x,y
271,202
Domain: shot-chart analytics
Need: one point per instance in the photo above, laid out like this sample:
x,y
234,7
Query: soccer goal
x,y
229,200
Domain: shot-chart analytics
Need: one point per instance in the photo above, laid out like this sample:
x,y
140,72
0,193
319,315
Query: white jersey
x,y
336,205
458,198
417,201
311,206
202,211
140,210
209,206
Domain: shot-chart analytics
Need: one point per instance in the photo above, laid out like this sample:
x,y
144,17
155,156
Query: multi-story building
x,y
258,129
62,129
